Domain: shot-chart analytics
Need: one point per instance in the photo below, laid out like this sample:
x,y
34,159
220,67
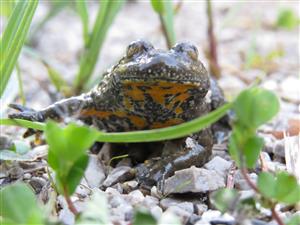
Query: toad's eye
x,y
188,48
138,47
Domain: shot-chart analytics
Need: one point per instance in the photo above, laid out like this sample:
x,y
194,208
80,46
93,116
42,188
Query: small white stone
x,y
150,201
94,173
195,180
156,211
201,208
219,165
134,197
181,213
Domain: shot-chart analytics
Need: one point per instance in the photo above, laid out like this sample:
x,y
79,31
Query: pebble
x,y
201,208
216,215
241,183
94,173
275,166
37,183
155,193
181,213
134,197
16,172
195,180
290,88
168,202
150,201
5,142
156,212
187,206
27,176
221,166
118,174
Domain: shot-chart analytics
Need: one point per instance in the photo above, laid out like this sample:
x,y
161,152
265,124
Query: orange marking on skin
x,y
178,110
136,120
167,123
158,92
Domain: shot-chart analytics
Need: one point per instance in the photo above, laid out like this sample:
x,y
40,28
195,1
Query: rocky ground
x,y
251,47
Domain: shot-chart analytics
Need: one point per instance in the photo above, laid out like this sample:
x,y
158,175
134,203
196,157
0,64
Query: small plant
x,y
254,107
68,156
287,19
19,205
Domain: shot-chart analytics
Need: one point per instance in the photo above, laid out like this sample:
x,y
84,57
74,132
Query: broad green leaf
x,y
295,220
76,173
13,38
143,217
287,189
287,19
251,150
281,188
158,6
224,199
20,206
167,133
68,153
255,106
266,184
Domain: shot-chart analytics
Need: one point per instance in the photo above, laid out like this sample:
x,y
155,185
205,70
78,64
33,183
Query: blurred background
x,y
253,41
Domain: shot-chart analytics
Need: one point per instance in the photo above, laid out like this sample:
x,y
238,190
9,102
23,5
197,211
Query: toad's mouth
x,y
187,81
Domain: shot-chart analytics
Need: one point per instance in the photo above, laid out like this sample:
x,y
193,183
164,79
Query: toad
x,y
147,89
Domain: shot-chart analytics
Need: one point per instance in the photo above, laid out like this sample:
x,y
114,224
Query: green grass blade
x,y
166,14
13,38
169,22
83,13
173,132
20,84
57,80
105,17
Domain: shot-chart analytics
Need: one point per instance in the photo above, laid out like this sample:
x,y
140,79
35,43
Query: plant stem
x,y
248,180
213,55
164,29
253,186
276,216
69,202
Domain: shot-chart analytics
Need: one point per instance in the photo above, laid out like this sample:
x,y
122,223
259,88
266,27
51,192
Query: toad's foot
x,y
156,170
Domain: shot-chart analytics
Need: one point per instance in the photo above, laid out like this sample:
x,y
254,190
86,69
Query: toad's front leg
x,y
57,111
195,150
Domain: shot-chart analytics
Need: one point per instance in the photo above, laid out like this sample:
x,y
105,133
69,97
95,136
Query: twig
x,y
213,55
248,180
263,163
230,177
276,216
69,202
